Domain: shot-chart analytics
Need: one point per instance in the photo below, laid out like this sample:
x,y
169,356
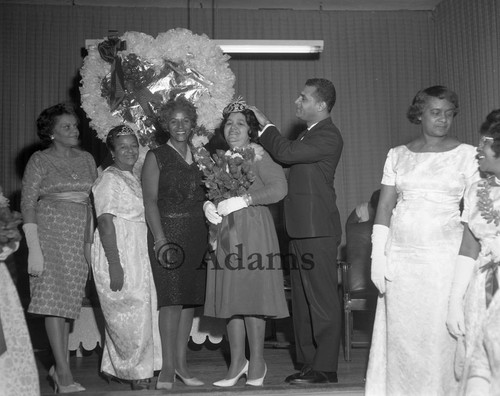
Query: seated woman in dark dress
x,y
177,238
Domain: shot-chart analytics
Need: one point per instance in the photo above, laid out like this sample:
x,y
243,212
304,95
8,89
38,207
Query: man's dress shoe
x,y
315,377
304,370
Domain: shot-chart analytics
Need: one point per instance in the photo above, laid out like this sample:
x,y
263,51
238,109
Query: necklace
x,y
485,203
69,170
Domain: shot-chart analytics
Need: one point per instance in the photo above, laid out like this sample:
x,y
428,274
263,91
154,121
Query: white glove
x,y
7,251
463,273
211,213
231,205
35,256
478,386
379,260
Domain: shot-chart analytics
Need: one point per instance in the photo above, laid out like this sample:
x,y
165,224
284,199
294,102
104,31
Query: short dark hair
x,y
417,106
251,121
47,120
325,91
491,127
112,135
172,105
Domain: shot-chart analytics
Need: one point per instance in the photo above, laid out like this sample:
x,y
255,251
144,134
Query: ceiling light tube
x,y
270,46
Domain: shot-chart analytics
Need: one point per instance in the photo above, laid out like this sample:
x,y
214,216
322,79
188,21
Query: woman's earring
x,y
52,137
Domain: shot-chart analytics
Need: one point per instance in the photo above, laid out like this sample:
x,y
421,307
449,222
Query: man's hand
x,y
261,117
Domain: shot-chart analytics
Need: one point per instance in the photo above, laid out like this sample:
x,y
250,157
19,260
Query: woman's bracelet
x,y
248,199
157,242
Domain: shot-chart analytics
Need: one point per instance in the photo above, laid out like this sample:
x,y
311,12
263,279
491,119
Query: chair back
x,y
358,255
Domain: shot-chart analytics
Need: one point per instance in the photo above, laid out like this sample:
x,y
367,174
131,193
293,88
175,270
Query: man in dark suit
x,y
313,224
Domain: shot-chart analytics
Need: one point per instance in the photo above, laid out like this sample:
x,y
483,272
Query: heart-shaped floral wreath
x,y
126,79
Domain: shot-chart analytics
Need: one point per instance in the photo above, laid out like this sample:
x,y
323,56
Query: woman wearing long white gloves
x,y
476,268
416,238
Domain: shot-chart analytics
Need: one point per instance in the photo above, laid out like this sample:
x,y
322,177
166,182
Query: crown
x,y
235,106
126,130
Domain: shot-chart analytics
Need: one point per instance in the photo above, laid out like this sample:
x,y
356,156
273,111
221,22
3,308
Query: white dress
x,y
18,372
412,352
475,300
132,348
485,361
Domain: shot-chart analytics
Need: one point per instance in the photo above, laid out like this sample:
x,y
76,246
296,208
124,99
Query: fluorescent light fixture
x,y
270,46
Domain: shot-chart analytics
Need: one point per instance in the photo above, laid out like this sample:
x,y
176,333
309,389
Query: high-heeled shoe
x,y
193,381
142,384
164,385
258,381
58,388
232,381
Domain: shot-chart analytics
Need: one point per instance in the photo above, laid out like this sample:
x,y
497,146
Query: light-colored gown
x,y
485,360
412,352
18,373
475,299
132,348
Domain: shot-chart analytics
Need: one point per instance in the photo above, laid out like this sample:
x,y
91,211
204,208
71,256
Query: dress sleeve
x,y
92,165
107,190
480,366
32,180
320,145
469,201
273,177
389,177
471,171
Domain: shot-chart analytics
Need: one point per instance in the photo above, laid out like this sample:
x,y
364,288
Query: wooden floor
x,y
209,363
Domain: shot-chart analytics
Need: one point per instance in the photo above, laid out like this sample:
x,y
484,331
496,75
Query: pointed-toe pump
x,y
193,381
258,381
164,385
58,388
225,383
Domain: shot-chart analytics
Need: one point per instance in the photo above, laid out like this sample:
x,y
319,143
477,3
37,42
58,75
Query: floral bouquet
x,y
9,222
226,174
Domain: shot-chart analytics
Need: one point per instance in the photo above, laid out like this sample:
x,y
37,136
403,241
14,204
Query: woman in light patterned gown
x,y
416,237
18,373
478,259
122,271
57,221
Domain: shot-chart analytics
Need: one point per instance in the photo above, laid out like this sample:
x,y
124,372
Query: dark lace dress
x,y
180,202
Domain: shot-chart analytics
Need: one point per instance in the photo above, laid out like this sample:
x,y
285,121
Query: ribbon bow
x,y
108,49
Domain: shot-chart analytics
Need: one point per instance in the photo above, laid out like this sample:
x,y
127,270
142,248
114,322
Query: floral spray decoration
x,y
9,223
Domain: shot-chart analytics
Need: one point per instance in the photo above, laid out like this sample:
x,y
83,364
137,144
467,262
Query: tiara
x,y
235,106
125,131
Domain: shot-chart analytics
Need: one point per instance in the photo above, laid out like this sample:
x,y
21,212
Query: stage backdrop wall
x,y
377,60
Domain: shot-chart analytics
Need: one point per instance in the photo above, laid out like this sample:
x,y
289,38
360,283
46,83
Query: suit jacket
x,y
310,206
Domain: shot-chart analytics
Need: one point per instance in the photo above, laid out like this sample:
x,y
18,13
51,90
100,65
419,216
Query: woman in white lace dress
x,y
416,237
121,266
478,260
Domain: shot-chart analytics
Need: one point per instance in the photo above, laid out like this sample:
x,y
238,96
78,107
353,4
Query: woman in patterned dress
x,y
121,267
57,223
245,280
177,238
416,237
18,373
478,257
